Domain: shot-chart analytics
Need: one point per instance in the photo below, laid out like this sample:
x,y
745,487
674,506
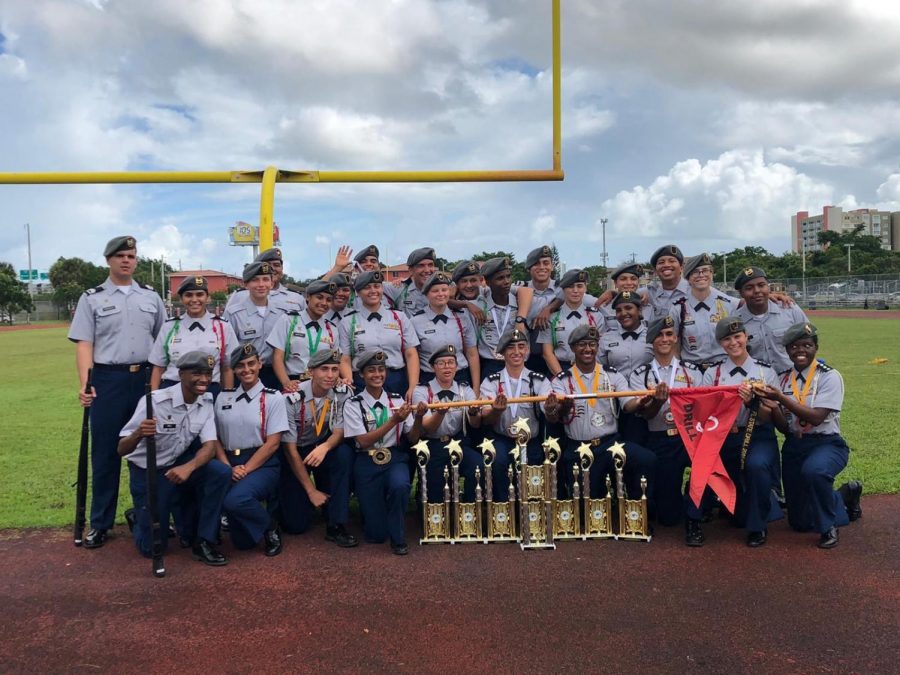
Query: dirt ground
x,y
585,607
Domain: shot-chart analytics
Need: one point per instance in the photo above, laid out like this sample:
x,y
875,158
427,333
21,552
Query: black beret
x,y
193,284
245,351
255,269
510,336
434,280
748,274
583,332
340,280
536,254
494,266
370,250
628,268
196,360
656,327
572,277
467,268
695,262
729,326
419,255
324,357
321,286
668,249
446,350
366,278
370,357
627,298
269,255
117,244
798,331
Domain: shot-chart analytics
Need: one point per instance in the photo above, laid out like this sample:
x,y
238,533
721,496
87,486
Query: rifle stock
x,y
159,567
81,478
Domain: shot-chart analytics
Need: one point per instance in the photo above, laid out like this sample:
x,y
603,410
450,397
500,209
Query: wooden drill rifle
x,y
159,567
81,478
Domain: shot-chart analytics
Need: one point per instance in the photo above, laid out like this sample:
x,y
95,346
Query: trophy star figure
x,y
520,426
551,449
422,452
487,445
455,449
617,450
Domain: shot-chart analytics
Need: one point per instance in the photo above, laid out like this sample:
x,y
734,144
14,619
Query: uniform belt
x,y
672,432
594,442
446,438
302,377
239,452
122,367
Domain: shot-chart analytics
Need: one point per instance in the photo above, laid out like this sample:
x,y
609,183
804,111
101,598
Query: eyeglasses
x,y
702,271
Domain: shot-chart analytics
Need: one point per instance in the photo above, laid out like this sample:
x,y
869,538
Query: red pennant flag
x,y
704,416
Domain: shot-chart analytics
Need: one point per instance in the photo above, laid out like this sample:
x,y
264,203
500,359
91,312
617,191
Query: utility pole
x,y
603,222
848,247
725,268
633,257
30,294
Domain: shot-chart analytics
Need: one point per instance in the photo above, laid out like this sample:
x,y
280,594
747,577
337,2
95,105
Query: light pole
x,y
603,222
30,295
803,253
725,269
848,247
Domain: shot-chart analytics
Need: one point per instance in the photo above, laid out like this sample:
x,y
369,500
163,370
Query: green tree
x,y
14,296
71,277
147,272
596,279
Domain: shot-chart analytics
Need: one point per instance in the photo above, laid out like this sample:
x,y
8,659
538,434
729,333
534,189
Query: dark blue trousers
x,y
668,490
756,503
118,393
248,516
332,476
500,477
809,465
639,462
383,493
633,427
434,471
209,483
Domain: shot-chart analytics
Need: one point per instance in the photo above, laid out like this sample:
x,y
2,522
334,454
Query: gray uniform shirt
x,y
497,320
662,300
281,298
540,300
764,332
625,350
249,326
240,415
728,372
300,337
826,391
450,327
406,297
121,326
587,421
359,417
388,330
452,423
177,425
527,384
208,334
304,412
562,323
610,322
698,330
678,375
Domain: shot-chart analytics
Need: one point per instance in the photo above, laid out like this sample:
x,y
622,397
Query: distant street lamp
x,y
848,247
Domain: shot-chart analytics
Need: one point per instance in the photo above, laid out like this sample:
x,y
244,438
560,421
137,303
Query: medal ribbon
x,y
801,396
654,366
320,421
313,346
595,385
514,407
501,326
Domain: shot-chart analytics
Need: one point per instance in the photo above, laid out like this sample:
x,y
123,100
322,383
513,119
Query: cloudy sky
x,y
704,123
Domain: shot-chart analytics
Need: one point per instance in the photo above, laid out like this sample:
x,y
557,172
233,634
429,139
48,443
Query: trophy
x,y
501,523
435,517
633,523
467,514
597,512
535,500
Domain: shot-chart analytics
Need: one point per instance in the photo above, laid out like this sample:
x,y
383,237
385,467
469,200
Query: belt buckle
x,y
671,432
594,442
134,368
236,452
380,456
444,439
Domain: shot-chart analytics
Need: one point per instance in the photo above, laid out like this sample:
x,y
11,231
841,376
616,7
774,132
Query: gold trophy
x,y
467,515
501,522
435,517
597,512
566,518
633,523
535,500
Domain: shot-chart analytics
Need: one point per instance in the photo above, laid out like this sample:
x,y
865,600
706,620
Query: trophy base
x,y
635,537
436,540
538,546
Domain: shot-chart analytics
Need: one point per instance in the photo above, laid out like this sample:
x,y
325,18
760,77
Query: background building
x,y
882,224
218,281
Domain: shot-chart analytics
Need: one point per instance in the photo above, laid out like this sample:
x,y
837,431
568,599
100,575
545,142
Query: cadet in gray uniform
x,y
296,336
626,348
253,316
437,325
765,320
315,439
198,330
340,302
670,287
280,297
500,310
113,330
373,327
410,295
184,425
555,338
250,421
697,314
594,421
626,277
811,395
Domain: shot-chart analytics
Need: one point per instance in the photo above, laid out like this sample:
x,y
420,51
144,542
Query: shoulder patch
x,y
217,318
686,364
458,311
563,374
271,391
610,369
357,398
535,375
95,289
351,313
174,318
644,367
146,287
421,311
393,395
784,372
294,396
824,367
494,377
292,312
762,363
718,363
229,390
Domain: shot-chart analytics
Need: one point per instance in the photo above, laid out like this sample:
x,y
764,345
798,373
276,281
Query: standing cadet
x,y
811,395
670,287
340,302
374,327
664,373
314,443
367,258
626,277
594,421
442,426
500,310
626,348
765,320
756,504
381,424
555,338
253,316
697,314
298,335
182,414
280,297
197,331
250,420
113,330
467,278
438,325
513,381
410,297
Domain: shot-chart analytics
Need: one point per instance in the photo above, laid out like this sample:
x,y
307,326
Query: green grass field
x,y
41,426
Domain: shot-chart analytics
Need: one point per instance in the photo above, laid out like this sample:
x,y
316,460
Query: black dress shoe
x,y
756,539
273,542
130,519
851,493
693,533
829,539
207,554
339,535
95,538
399,549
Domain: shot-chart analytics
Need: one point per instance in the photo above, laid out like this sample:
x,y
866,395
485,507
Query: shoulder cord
x,y
462,340
353,337
168,339
553,323
478,329
221,335
402,339
287,342
262,415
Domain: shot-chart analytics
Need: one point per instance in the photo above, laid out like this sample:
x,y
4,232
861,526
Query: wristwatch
x,y
520,319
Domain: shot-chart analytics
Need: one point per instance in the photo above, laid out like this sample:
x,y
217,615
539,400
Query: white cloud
x,y
544,223
889,193
322,240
